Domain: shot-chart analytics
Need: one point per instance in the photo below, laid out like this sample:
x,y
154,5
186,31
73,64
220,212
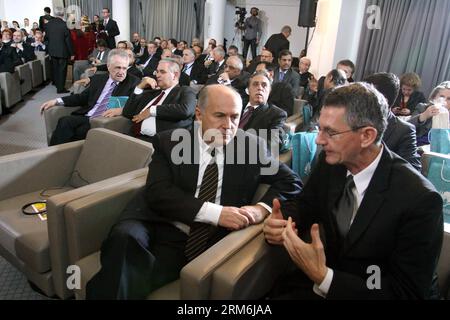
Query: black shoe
x,y
62,91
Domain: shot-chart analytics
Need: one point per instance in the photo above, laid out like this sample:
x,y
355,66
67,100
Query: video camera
x,y
241,12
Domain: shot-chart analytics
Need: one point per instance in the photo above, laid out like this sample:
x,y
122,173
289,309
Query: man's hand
x,y
310,258
141,116
274,225
233,219
428,113
83,82
405,112
255,214
93,70
47,105
110,113
148,82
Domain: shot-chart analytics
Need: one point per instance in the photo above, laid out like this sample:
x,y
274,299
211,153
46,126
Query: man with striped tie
x,y
191,204
94,100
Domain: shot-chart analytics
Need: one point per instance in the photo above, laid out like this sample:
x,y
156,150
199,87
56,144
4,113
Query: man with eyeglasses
x,y
161,104
381,222
232,76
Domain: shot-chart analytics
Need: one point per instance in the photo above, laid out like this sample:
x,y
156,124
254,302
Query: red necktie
x,y
246,117
137,126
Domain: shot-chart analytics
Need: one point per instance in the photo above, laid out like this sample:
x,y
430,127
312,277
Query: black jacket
x,y
88,98
276,43
59,41
8,59
113,30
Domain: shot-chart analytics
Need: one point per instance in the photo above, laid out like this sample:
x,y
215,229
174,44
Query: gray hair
x,y
237,61
117,52
219,51
442,86
59,12
363,104
203,96
260,73
174,65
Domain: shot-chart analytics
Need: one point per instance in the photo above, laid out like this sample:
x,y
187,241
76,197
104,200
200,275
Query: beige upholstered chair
x,y
10,88
37,73
78,169
51,116
24,72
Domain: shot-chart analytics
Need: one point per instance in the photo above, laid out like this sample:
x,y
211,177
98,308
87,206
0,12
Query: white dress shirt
x,y
362,180
149,125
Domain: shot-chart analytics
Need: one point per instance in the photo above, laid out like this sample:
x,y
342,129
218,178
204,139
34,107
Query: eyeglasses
x,y
330,133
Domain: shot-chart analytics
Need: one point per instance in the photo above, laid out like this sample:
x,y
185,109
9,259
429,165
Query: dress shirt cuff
x,y
265,206
324,287
153,111
138,91
59,102
209,213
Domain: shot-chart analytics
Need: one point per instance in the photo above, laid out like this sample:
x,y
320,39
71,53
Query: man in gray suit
x,y
285,73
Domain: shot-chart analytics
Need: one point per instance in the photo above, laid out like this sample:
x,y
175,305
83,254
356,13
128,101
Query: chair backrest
x,y
106,154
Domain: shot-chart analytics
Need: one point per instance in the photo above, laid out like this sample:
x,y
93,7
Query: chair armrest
x,y
251,272
196,277
118,124
52,115
38,169
89,219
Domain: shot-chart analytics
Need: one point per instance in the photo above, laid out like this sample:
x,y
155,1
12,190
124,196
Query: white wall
x,y
274,15
20,9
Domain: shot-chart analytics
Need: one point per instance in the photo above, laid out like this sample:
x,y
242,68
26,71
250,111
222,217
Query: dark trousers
x,y
70,128
248,43
137,258
59,72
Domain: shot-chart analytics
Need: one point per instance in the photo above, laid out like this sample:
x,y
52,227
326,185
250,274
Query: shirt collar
x,y
167,91
363,178
204,147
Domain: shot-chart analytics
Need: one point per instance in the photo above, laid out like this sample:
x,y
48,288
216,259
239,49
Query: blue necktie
x,y
103,105
281,76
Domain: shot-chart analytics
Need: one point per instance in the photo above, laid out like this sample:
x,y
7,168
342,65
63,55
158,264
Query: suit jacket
x,y
169,195
88,98
94,54
240,83
398,227
422,128
282,96
267,117
276,43
214,68
177,110
42,25
400,137
27,54
113,30
198,72
59,41
151,66
8,59
291,77
416,98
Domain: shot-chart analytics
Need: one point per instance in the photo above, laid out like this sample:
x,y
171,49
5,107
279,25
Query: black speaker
x,y
307,14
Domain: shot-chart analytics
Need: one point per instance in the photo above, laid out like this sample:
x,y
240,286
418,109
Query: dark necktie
x,y
103,104
281,76
137,126
345,207
99,55
246,117
200,232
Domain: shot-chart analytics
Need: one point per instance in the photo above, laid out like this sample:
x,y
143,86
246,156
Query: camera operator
x,y
252,32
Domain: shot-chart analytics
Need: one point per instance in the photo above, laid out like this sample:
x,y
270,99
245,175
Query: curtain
x,y
179,19
88,7
414,37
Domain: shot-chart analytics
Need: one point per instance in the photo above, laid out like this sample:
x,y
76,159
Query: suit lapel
x,y
372,201
189,171
256,114
232,172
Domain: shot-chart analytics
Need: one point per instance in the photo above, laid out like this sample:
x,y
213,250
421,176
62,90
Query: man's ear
x,y
198,113
368,136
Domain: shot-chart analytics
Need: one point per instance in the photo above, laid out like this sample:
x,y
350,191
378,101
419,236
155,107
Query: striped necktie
x,y
200,232
103,104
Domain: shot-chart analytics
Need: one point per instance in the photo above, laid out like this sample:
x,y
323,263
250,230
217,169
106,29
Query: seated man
x,y
148,66
165,106
232,76
260,115
24,50
381,221
8,58
400,136
193,68
97,58
94,100
188,207
285,73
281,94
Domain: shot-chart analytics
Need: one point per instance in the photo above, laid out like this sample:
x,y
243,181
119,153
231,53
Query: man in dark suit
x,y
261,116
59,48
281,93
217,65
232,75
208,193
149,65
111,28
24,50
165,106
279,42
94,100
43,20
400,136
285,73
8,58
193,68
381,221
